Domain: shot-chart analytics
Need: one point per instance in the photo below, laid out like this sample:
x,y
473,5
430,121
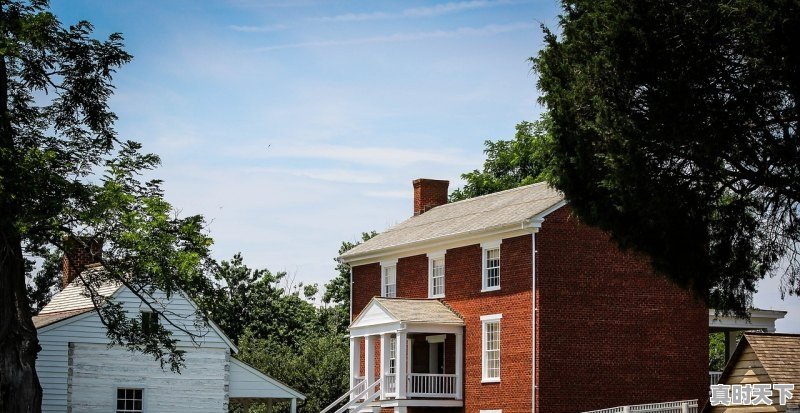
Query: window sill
x,y
436,296
489,381
488,289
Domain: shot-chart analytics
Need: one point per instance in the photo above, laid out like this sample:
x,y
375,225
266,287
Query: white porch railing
x,y
359,395
391,384
684,406
713,377
432,385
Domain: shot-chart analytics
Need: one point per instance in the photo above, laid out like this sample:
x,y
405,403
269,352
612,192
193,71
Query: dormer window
x,y
436,275
491,266
389,279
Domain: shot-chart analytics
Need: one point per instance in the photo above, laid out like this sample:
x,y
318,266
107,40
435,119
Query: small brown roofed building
x,y
766,358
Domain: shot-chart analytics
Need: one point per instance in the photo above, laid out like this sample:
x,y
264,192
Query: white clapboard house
x,y
79,371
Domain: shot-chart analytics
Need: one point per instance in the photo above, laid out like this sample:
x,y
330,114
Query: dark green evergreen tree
x,y
674,126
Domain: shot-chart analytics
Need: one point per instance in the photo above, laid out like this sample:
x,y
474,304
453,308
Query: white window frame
x,y
117,399
485,248
393,354
386,266
436,256
485,321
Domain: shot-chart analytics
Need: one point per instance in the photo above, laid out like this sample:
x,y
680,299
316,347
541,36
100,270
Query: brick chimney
x,y
429,193
80,252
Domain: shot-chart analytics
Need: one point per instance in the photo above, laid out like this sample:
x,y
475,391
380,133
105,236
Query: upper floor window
x,y
491,266
389,279
491,347
150,322
129,400
436,275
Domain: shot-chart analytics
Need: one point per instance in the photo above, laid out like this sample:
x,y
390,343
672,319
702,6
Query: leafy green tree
x,y
317,369
43,282
674,128
337,291
254,300
511,163
65,175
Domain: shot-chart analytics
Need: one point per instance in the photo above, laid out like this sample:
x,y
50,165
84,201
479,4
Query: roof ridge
x,y
771,334
394,228
490,194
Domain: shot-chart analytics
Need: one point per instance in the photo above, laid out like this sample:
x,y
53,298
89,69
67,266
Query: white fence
x,y
684,406
713,377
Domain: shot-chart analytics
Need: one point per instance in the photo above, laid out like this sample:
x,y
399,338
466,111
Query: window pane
x,y
492,349
492,274
129,401
390,282
437,276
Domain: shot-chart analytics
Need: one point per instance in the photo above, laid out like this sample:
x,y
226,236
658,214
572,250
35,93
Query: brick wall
x,y
610,331
79,254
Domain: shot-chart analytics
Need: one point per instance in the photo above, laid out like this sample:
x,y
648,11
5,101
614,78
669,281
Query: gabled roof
x,y
778,353
381,310
510,208
74,300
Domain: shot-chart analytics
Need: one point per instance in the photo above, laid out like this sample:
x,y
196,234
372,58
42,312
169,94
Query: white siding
x,y
97,372
87,328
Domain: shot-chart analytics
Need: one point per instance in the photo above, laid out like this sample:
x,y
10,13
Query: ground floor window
x,y
129,400
491,347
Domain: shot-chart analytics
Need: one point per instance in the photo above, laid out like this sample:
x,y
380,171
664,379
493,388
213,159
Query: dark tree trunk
x,y
19,385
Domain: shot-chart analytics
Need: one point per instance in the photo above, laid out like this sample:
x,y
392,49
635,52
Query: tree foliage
x,y
523,160
66,175
337,291
674,127
255,300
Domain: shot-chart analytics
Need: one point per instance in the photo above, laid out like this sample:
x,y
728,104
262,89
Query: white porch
x,y
406,352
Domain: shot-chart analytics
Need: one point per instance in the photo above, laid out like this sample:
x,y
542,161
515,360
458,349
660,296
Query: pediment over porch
x,y
392,314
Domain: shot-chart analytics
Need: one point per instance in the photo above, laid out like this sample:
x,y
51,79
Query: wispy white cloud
x,y
389,194
417,12
405,37
258,29
329,175
388,157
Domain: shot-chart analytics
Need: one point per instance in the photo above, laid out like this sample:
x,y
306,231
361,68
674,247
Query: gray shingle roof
x,y
779,354
75,295
42,320
493,211
419,310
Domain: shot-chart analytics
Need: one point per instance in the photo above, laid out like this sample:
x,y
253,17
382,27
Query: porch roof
x,y
759,320
381,310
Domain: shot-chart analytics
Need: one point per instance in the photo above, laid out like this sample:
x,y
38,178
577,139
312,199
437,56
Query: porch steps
x,y
374,407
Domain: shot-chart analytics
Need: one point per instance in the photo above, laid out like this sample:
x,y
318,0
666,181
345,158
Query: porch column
x,y
459,365
386,341
355,362
401,363
369,359
730,344
293,408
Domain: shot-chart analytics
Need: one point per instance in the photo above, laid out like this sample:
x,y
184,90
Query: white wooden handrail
x,y
356,398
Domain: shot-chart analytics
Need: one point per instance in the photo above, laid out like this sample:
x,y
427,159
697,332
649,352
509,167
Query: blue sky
x,y
295,125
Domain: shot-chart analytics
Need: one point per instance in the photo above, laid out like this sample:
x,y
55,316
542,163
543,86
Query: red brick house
x,y
445,318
